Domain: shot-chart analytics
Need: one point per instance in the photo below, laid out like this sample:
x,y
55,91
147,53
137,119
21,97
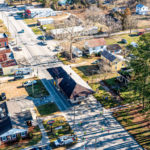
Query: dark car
x,y
22,31
140,33
124,41
3,96
18,77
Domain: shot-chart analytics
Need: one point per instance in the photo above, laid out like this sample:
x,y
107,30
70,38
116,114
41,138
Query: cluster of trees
x,y
141,70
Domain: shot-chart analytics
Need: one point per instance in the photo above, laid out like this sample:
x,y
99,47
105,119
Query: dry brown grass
x,y
14,89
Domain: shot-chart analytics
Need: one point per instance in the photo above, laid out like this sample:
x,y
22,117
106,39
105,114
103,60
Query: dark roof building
x,y
68,86
5,121
108,56
116,48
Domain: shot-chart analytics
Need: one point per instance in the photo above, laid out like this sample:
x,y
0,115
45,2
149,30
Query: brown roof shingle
x,y
96,42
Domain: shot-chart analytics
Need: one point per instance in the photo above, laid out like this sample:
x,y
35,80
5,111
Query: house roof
x,y
140,5
3,35
5,122
9,63
3,57
96,42
70,88
4,48
114,47
108,56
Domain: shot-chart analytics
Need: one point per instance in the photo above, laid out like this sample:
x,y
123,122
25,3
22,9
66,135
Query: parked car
x,y
29,83
58,49
3,96
96,61
64,140
124,41
19,48
140,33
22,31
18,77
135,45
12,43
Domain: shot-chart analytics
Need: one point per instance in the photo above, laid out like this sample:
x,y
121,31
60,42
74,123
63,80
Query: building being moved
x,y
75,31
74,92
39,12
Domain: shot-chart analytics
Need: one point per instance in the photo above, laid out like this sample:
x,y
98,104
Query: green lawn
x,y
55,134
136,123
117,39
36,30
25,143
30,21
38,90
47,109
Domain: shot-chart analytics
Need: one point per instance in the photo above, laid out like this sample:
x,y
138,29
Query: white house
x,y
77,52
141,9
95,46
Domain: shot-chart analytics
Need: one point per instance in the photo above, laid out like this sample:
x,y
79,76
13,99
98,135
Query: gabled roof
x,y
9,63
108,56
114,47
140,5
70,88
3,35
95,42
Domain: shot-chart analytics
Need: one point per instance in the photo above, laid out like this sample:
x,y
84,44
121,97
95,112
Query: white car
x,y
29,83
64,140
12,43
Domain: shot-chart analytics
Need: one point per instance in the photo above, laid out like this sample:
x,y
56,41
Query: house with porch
x,y
73,91
14,122
95,46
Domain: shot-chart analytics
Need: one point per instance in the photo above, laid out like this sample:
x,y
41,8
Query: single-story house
x,y
45,21
141,9
114,62
76,51
13,121
95,46
114,48
8,67
73,91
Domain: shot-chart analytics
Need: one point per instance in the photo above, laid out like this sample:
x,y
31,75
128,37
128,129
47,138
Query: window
x,y
116,67
4,138
23,133
14,136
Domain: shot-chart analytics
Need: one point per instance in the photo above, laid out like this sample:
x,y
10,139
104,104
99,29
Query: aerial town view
x,y
74,74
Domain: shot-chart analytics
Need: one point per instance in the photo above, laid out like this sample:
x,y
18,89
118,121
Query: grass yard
x,y
55,134
117,39
137,123
26,142
36,30
103,97
30,21
47,109
38,90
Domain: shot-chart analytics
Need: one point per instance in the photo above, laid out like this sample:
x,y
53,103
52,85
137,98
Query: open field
x,y
137,123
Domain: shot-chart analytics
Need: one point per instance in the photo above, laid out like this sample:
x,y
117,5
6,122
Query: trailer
x,y
45,21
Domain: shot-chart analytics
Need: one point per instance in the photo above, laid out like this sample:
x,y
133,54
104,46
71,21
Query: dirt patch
x,y
14,88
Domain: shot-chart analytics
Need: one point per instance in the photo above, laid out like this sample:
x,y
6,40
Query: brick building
x,y
3,40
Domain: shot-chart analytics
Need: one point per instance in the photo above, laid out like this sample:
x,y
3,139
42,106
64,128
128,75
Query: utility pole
x,y
74,117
